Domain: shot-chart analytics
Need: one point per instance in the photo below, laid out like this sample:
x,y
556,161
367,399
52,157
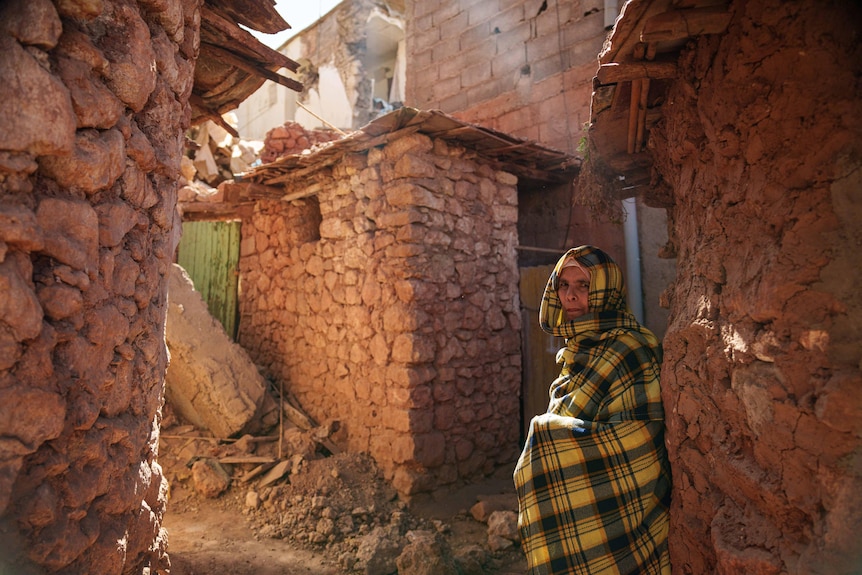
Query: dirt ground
x,y
330,514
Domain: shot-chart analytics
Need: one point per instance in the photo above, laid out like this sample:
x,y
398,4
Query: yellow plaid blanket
x,y
593,480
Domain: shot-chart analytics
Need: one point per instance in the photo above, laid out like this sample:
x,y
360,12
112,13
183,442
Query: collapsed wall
x,y
388,301
94,108
760,144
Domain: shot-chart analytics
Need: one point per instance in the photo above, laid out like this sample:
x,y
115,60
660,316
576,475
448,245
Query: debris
x,y
276,473
488,504
210,478
211,382
504,524
291,138
252,499
426,554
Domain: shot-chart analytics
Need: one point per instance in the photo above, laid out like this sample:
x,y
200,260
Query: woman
x,y
593,480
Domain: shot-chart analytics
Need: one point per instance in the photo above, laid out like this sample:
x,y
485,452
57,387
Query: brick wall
x,y
520,67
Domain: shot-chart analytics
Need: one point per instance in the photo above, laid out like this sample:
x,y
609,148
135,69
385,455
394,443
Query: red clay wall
x,y
762,383
390,304
91,131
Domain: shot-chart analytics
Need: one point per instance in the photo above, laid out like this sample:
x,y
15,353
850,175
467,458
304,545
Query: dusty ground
x,y
331,514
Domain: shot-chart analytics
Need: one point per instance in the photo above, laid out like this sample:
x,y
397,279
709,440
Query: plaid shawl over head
x,y
593,480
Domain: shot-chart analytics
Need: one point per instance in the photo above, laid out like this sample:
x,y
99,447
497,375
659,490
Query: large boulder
x,y
210,382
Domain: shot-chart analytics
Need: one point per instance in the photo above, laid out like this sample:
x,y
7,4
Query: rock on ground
x,y
211,382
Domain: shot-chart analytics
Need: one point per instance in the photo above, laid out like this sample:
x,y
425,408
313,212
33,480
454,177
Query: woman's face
x,y
574,287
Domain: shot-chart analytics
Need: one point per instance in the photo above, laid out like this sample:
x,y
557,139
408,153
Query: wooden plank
x,y
280,470
232,279
245,40
262,468
617,72
246,459
254,69
209,252
540,349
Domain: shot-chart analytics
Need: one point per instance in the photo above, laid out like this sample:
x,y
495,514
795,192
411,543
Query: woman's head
x,y
585,280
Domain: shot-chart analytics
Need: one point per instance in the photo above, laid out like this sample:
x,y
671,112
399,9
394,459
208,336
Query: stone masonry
x,y
389,303
91,128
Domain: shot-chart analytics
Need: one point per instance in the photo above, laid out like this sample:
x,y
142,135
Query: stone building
x,y
379,283
747,128
525,68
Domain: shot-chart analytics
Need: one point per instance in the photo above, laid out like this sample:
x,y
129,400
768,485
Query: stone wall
x,y
389,302
762,384
94,107
523,67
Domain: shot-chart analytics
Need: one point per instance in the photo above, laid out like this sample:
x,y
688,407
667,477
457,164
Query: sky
x,y
300,14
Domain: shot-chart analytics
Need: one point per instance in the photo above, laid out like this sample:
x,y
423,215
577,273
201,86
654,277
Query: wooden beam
x,y
211,114
202,211
245,39
307,192
642,110
617,72
238,191
634,102
681,24
254,69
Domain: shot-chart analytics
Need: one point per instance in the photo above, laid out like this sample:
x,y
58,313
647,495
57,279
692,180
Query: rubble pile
x,y
288,477
292,138
334,503
216,155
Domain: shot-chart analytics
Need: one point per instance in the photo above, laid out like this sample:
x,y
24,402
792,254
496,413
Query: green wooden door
x,y
209,252
539,348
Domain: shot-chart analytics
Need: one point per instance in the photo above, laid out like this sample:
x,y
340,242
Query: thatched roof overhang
x,y
232,64
527,160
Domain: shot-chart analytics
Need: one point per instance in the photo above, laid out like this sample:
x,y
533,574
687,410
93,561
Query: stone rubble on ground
x,y
337,504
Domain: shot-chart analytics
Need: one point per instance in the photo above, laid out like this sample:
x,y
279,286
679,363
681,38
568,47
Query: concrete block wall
x,y
522,67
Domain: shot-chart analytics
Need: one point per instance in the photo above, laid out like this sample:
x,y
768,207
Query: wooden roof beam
x,y
211,114
681,24
617,72
254,69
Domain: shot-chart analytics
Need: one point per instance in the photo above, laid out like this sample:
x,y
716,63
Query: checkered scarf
x,y
593,480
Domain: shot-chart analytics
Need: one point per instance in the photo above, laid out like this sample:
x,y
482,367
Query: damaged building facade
x,y
352,67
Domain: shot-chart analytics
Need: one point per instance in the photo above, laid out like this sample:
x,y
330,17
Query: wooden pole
x,y
634,103
642,107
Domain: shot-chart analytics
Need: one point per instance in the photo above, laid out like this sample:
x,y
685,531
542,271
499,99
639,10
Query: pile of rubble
x,y
287,476
216,155
335,504
292,138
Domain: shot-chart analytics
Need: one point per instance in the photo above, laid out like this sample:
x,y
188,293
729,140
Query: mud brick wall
x,y
523,67
93,112
389,302
762,381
